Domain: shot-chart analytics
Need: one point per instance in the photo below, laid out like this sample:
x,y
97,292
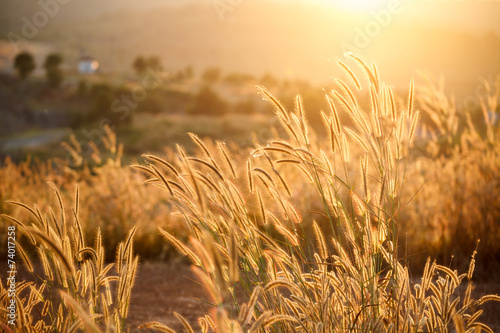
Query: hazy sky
x,y
292,38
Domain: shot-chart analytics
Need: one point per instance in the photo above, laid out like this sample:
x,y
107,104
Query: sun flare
x,y
360,5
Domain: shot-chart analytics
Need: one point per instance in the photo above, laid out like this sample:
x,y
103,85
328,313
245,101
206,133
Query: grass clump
x,y
335,269
458,166
74,289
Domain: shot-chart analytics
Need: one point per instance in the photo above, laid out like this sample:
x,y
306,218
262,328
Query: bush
x,y
176,100
238,79
82,89
102,99
208,102
153,103
53,71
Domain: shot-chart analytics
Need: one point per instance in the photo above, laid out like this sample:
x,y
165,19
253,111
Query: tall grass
x,y
337,269
458,166
313,229
75,288
115,199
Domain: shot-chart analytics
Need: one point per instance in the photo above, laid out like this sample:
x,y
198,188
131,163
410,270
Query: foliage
x,y
24,64
153,103
207,102
82,88
103,98
141,64
238,78
268,80
53,70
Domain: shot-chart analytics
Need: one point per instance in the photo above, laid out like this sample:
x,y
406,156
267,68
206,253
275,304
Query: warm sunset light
x,y
260,166
363,5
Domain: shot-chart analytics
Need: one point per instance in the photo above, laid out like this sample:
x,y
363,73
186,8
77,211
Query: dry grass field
x,y
371,225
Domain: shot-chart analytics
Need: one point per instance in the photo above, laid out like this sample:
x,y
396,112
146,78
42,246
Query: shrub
x,y
53,71
153,103
207,102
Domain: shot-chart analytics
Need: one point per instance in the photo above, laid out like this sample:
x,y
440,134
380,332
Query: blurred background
x,y
214,52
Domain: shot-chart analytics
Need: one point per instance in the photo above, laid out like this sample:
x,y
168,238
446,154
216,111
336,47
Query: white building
x,y
87,65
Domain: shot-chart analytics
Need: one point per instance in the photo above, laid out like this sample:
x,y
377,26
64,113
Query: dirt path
x,y
162,289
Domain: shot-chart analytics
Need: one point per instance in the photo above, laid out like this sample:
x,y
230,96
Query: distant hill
x,y
288,39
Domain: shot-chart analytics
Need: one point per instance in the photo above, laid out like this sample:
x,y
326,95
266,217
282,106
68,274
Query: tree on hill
x,y
53,71
24,63
140,64
155,63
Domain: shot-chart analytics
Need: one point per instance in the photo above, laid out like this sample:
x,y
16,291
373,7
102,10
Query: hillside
x,y
291,39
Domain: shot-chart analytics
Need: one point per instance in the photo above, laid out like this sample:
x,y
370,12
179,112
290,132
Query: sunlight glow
x,y
360,5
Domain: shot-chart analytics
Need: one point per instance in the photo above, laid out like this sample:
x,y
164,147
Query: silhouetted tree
x,y
154,63
53,71
24,63
140,64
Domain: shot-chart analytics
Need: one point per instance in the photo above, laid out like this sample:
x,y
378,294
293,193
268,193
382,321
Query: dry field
x,y
372,227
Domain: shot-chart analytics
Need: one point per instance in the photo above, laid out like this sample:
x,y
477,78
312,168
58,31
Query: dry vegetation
x,y
310,229
456,177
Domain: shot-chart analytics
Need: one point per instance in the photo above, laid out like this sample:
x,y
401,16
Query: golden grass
x,y
353,280
458,168
309,226
88,298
